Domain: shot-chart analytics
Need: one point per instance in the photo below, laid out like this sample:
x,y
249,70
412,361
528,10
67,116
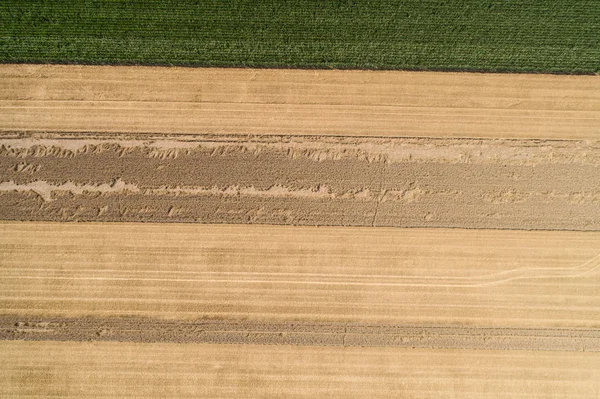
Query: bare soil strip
x,y
295,333
127,370
400,182
93,99
405,277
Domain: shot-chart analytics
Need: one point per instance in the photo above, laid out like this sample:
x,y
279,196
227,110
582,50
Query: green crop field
x,y
559,36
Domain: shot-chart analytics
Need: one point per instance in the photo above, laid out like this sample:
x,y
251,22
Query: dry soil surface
x,y
299,180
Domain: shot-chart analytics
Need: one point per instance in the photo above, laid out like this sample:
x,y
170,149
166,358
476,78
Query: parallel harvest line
x,y
588,267
312,282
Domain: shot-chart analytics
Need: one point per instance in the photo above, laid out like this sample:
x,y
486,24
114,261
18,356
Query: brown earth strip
x,y
401,182
295,333
38,98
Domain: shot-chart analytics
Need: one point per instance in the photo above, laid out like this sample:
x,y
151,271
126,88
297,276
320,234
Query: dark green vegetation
x,y
561,36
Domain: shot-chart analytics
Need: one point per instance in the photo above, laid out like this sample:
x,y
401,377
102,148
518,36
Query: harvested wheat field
x,y
127,370
424,277
173,232
100,99
186,310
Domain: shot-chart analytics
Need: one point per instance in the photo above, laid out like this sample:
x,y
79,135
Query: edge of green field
x,y
533,36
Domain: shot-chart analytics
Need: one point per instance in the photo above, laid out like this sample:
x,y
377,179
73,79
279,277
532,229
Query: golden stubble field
x,y
40,98
275,310
170,232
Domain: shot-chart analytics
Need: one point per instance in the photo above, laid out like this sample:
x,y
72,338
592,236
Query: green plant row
x,y
558,36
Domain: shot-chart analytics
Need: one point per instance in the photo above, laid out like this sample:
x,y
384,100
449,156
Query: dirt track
x,y
515,184
341,103
295,333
